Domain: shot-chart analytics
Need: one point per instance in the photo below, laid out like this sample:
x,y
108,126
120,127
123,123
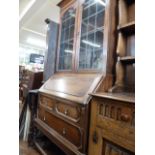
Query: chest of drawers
x,y
65,119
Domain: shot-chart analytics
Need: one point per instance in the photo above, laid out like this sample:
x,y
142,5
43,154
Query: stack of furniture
x,y
30,80
112,124
84,64
50,53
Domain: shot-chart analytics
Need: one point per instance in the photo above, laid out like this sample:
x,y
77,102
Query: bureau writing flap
x,y
77,85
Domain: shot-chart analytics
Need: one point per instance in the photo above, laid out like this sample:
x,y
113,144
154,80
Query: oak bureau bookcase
x,y
85,64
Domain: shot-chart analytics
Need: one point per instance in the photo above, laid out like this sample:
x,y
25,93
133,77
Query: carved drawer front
x,y
71,133
117,117
41,113
68,111
48,102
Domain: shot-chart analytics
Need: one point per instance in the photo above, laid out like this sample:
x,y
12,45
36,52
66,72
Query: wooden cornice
x,y
63,3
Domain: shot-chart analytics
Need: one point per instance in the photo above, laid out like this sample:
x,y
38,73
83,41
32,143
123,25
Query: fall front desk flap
x,y
72,87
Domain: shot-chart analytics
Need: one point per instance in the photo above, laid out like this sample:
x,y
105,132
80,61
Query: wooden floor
x,y
24,149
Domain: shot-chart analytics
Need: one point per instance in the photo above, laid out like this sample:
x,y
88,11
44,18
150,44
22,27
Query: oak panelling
x,y
112,124
109,148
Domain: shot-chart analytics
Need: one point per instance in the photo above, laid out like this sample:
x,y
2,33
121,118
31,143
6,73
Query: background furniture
x,y
30,80
50,54
112,125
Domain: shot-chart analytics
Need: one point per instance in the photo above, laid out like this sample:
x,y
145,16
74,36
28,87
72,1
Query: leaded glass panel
x,y
91,41
66,41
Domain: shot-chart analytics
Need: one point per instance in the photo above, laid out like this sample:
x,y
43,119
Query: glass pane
x,y
100,19
91,25
66,41
91,41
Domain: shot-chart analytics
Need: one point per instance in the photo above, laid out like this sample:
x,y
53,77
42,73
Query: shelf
x,y
128,28
125,97
127,59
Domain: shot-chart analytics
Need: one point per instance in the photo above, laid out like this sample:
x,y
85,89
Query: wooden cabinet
x,y
112,124
84,65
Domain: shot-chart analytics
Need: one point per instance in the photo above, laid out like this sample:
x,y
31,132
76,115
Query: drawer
x,y
41,113
116,117
48,102
68,131
72,112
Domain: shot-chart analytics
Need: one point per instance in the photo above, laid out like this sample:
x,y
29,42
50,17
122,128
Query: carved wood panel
x,y
48,102
117,112
112,149
71,112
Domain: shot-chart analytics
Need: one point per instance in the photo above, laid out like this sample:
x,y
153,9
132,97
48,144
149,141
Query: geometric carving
x,y
101,109
117,112
107,111
110,149
133,119
112,112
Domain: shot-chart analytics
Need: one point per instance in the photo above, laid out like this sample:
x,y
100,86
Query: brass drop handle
x,y
125,117
64,131
51,108
95,137
66,111
45,102
44,118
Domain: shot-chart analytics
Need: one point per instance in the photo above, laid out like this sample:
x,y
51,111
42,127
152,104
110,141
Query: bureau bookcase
x,y
84,64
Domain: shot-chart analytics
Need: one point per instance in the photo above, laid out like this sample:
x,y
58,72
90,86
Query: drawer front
x,y
48,102
71,133
71,112
116,117
41,113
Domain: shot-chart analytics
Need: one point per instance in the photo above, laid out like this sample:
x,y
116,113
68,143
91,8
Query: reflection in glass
x,y
66,41
91,41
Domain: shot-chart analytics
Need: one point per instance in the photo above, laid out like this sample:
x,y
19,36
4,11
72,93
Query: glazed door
x,y
67,38
91,35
